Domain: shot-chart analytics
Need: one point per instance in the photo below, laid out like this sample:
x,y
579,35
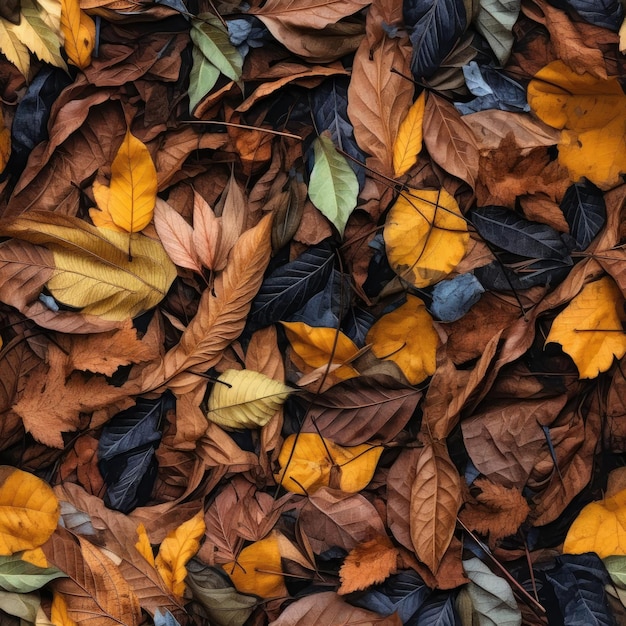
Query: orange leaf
x,y
435,501
143,545
408,142
79,31
368,564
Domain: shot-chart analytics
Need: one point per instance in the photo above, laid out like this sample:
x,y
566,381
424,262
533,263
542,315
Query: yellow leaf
x,y
101,217
407,337
143,545
319,347
177,548
35,556
79,31
438,236
245,399
132,193
590,328
600,527
29,511
592,114
258,570
13,49
59,615
308,461
408,142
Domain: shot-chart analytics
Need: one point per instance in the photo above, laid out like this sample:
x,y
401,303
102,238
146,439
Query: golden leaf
x,y
319,347
35,556
438,241
407,337
133,186
600,527
590,328
29,511
258,570
367,564
245,399
177,548
143,545
435,502
408,142
308,462
59,615
592,114
101,216
79,31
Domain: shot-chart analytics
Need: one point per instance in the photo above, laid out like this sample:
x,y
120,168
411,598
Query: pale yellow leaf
x,y
133,185
245,399
177,548
407,337
79,31
438,241
408,142
13,48
29,511
590,330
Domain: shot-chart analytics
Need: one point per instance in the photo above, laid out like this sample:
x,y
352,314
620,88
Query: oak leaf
x,y
367,564
590,328
308,461
29,511
176,549
439,236
407,337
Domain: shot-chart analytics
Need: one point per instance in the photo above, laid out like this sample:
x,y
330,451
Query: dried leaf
x,y
59,613
408,143
368,564
79,31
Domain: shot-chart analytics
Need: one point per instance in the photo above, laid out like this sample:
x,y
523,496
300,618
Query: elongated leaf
x,y
304,14
23,577
245,399
492,597
579,585
366,408
132,193
585,211
435,502
79,31
202,77
211,587
495,21
211,38
291,286
509,231
517,272
450,143
408,142
29,511
333,186
605,13
402,593
434,27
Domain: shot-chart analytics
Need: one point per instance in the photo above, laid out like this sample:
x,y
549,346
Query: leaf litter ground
x,y
312,314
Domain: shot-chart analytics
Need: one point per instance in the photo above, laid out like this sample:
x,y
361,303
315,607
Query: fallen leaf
x,y
407,337
408,143
58,611
29,511
307,461
368,564
590,328
79,31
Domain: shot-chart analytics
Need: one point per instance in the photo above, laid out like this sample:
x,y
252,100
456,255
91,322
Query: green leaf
x,y
23,605
616,567
23,577
495,21
211,39
333,186
492,597
202,78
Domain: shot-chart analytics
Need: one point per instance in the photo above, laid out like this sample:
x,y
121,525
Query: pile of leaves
x,y
312,313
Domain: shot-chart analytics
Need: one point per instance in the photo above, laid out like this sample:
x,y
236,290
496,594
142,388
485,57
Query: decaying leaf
x,y
367,564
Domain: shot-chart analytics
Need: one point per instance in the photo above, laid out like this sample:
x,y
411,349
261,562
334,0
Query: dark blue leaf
x,y
438,610
579,582
585,211
289,287
403,593
329,106
327,307
494,90
545,273
434,28
513,233
605,13
30,124
356,325
452,299
247,32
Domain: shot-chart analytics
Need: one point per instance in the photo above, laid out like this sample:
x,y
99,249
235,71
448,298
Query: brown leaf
x,y
399,484
367,564
449,141
379,98
329,608
333,518
232,210
96,593
435,501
